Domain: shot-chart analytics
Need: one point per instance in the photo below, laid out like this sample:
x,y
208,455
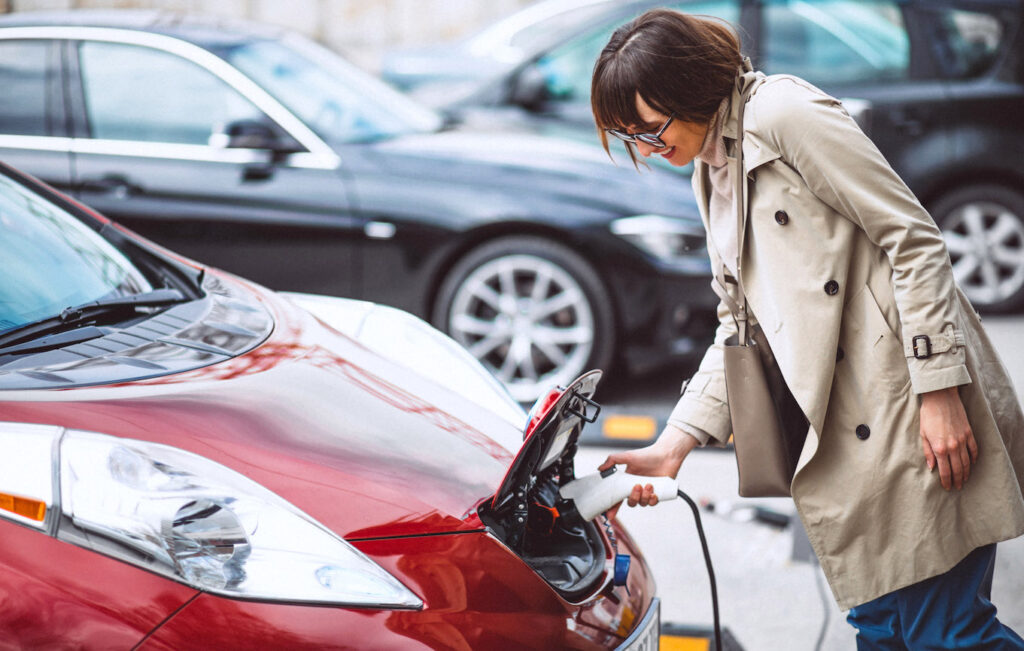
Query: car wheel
x,y
531,310
983,226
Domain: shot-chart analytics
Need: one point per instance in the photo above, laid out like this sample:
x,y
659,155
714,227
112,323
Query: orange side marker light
x,y
23,506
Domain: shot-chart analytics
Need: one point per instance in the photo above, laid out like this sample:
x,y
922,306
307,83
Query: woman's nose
x,y
645,149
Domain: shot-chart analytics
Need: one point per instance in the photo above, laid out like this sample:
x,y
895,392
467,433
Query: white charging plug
x,y
596,493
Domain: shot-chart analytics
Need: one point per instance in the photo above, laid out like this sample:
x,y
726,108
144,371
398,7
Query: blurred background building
x,y
360,29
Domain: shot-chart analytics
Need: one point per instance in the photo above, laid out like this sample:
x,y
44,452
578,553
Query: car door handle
x,y
116,185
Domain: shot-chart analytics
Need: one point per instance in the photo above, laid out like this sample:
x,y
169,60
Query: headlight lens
x,y
667,239
195,521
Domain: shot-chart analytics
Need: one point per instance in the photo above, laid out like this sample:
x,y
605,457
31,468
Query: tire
x,y
533,312
983,226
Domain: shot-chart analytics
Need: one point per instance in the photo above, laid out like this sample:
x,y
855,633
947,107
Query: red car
x,y
192,461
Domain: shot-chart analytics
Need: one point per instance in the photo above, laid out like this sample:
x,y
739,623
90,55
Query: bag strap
x,y
738,305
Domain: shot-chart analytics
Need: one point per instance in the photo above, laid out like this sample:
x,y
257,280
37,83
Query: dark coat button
x,y
863,432
781,217
831,288
840,354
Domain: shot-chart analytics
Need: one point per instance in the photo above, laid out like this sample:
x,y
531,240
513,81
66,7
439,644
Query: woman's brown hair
x,y
680,64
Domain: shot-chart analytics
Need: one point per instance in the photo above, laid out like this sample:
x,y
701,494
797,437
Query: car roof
x,y
203,30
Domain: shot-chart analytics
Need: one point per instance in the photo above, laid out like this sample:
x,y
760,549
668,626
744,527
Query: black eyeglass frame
x,y
652,139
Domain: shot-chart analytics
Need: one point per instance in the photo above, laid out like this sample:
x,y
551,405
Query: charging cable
x,y
707,561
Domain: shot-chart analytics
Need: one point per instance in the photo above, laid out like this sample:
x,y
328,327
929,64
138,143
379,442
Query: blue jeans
x,y
948,611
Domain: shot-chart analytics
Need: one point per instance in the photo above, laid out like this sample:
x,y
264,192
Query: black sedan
x,y
937,84
254,150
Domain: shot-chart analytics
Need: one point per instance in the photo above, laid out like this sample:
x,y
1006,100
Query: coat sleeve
x,y
842,167
703,404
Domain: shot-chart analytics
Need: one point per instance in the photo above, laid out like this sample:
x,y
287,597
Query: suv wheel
x,y
983,226
531,310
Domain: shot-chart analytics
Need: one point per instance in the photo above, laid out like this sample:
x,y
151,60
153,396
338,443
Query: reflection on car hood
x,y
518,172
363,445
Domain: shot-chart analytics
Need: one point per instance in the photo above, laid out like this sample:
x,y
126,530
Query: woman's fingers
x,y
635,495
617,459
652,499
956,467
965,462
945,473
929,456
642,495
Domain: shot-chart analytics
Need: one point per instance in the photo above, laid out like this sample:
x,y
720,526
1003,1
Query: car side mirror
x,y
529,88
254,134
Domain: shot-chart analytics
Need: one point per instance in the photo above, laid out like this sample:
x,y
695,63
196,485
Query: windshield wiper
x,y
72,317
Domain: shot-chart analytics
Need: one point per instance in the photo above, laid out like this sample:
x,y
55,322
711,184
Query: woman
x,y
914,459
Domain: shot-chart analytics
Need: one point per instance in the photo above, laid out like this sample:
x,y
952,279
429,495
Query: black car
x,y
256,151
937,84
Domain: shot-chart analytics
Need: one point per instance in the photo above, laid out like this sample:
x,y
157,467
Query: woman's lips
x,y
668,153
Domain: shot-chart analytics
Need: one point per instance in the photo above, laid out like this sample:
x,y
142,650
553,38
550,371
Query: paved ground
x,y
768,598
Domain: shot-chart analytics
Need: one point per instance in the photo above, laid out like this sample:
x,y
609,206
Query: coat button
x,y
840,354
831,288
781,217
863,432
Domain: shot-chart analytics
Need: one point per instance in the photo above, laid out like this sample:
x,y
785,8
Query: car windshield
x,y
52,261
337,100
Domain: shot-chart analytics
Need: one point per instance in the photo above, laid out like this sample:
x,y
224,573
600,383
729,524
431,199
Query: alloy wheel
x,y
527,320
986,246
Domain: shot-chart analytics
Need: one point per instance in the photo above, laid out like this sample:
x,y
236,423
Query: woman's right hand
x,y
663,458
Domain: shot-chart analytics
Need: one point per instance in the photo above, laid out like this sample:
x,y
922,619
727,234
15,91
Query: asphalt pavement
x,y
772,595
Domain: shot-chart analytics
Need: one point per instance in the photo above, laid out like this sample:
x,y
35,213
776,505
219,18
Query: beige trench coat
x,y
843,268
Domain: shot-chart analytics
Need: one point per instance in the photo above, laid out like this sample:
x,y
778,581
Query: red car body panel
x,y
56,595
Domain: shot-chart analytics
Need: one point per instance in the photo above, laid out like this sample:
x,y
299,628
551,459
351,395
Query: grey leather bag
x,y
769,428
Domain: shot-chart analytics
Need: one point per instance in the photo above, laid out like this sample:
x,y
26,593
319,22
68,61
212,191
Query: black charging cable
x,y
711,570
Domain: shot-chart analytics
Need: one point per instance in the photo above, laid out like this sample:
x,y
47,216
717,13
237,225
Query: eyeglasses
x,y
652,139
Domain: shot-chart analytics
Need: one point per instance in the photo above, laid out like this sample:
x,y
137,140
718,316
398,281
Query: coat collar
x,y
745,77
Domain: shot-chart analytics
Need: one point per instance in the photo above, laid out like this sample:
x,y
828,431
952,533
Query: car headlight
x,y
667,239
193,520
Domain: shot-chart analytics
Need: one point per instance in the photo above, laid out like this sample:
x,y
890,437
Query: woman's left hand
x,y
946,437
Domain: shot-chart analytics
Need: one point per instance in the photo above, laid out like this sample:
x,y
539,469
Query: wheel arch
x,y
955,180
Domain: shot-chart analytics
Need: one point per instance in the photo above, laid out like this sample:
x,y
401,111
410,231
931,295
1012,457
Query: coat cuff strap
x,y
923,346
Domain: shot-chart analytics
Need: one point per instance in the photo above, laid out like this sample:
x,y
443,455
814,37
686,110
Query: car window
x,y
567,69
52,261
138,93
24,76
337,100
969,44
835,41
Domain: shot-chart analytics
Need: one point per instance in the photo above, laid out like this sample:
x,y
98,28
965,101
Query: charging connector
x,y
600,491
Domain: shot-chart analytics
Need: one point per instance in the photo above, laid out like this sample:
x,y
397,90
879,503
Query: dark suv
x,y
936,83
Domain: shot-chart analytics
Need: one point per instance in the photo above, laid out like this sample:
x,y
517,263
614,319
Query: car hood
x,y
362,444
517,174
